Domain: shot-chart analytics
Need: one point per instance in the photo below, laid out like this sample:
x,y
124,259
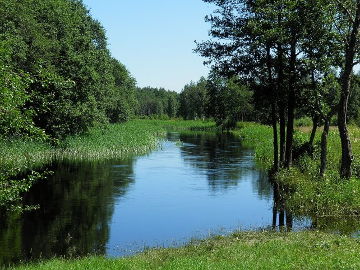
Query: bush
x,y
303,122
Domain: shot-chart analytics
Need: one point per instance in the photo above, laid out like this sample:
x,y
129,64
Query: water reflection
x,y
282,218
194,185
76,205
223,160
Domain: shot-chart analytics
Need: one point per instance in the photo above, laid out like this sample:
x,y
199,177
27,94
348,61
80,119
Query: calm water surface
x,y
192,187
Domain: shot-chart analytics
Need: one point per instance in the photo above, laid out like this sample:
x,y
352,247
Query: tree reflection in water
x,y
76,205
224,161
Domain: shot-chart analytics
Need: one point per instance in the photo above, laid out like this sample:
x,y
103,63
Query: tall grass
x,y
260,138
113,141
311,194
19,155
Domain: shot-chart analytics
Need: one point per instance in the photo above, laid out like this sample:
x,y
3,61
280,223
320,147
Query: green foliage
x,y
59,64
260,138
303,122
157,103
16,158
121,100
194,100
230,101
15,120
243,250
310,195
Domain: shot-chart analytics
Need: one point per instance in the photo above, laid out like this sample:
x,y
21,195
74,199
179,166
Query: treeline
x,y
224,100
299,54
157,103
57,75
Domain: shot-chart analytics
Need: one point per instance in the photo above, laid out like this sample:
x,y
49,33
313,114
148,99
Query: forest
x,y
284,79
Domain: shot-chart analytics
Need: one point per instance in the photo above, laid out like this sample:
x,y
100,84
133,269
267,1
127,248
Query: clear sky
x,y
155,38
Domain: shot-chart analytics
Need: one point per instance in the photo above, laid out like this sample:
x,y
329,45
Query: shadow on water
x,y
76,205
282,218
223,160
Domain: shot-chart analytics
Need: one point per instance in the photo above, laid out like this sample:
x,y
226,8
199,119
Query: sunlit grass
x,y
245,250
311,194
113,141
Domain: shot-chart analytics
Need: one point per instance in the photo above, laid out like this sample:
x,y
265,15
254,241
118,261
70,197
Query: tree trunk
x,y
289,221
291,105
323,157
346,151
272,90
282,133
281,105
315,121
275,136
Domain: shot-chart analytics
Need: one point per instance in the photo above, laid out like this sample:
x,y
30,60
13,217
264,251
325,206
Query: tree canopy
x,y
57,64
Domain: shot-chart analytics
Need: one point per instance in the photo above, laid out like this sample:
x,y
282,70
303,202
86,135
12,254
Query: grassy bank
x,y
105,142
251,250
312,195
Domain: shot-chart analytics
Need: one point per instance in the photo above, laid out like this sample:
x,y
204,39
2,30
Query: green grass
x,y
245,250
113,141
312,195
260,138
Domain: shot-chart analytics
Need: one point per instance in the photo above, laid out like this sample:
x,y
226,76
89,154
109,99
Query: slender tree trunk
x,y
323,157
281,105
275,136
282,133
346,151
281,218
272,90
289,221
291,105
315,121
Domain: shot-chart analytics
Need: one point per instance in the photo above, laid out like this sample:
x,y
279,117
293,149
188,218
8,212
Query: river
x,y
193,186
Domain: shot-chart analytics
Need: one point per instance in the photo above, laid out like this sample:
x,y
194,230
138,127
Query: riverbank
x,y
116,141
327,199
311,195
245,250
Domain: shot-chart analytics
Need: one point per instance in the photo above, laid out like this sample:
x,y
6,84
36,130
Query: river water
x,y
193,186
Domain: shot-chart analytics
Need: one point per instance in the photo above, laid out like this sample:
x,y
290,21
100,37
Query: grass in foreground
x,y
246,250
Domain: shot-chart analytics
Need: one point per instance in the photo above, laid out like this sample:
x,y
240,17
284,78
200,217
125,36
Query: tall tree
x,y
348,23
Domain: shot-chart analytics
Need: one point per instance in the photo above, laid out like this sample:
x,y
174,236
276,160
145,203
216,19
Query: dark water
x,y
192,187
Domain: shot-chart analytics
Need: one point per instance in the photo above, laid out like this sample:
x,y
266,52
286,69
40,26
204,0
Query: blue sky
x,y
155,38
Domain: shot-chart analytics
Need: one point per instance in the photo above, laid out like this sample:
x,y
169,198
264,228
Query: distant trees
x,y
225,100
157,102
56,60
229,101
194,100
